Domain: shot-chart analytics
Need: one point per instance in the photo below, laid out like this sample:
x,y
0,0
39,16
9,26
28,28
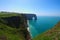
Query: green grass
x,y
9,32
8,14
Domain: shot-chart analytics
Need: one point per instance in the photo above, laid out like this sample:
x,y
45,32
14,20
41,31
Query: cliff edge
x,y
13,26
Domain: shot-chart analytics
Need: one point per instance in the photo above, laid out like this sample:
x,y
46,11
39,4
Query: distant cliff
x,y
51,34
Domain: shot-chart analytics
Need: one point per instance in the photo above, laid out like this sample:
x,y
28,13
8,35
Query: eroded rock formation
x,y
18,22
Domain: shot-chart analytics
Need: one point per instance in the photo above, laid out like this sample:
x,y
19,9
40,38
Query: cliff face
x,y
13,27
52,34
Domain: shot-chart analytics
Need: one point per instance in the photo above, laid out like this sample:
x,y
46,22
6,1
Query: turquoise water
x,y
42,24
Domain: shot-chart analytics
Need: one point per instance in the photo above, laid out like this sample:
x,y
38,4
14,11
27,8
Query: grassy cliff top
x,y
8,14
7,32
51,34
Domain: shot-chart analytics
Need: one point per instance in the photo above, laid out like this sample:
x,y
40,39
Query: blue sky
x,y
39,7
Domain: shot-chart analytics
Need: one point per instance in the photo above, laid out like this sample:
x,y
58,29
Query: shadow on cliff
x,y
19,22
15,21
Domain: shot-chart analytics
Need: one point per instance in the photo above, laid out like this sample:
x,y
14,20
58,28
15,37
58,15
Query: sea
x,y
42,24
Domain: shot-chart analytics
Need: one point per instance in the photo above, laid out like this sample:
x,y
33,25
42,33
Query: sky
x,y
39,7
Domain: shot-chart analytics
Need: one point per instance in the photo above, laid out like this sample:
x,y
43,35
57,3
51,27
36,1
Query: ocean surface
x,y
42,24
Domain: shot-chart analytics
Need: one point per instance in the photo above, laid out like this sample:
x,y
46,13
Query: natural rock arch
x,y
19,22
